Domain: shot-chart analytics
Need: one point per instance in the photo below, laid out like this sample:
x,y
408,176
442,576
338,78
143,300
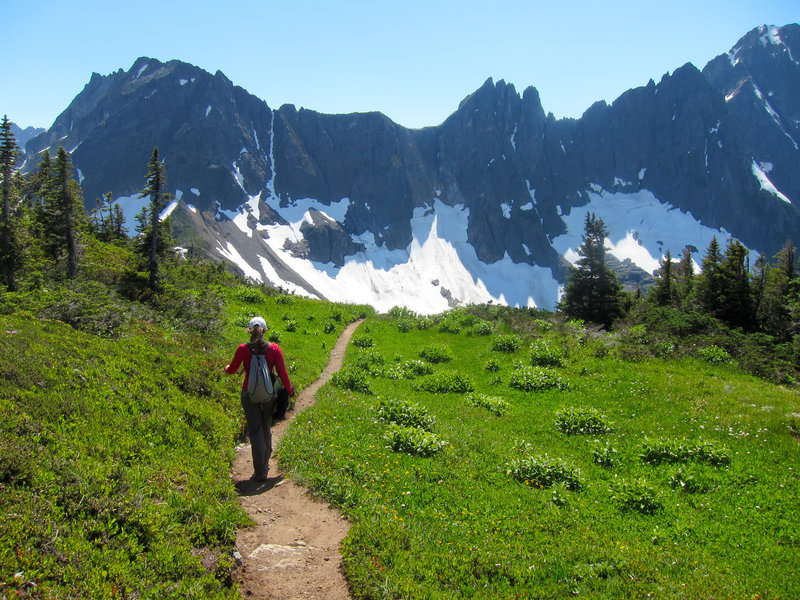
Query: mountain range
x,y
488,206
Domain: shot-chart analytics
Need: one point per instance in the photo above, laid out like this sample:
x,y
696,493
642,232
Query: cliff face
x,y
266,188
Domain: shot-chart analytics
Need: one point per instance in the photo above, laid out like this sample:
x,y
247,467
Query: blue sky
x,y
412,60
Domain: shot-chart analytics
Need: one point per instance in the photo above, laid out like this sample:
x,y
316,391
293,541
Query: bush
x,y
492,365
544,355
714,354
363,341
352,379
506,343
656,452
535,379
692,480
483,328
605,456
544,472
404,414
370,361
443,382
636,496
436,353
582,421
408,370
412,440
496,406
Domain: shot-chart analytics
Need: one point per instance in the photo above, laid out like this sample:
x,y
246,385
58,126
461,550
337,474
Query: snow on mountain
x,y
641,228
438,268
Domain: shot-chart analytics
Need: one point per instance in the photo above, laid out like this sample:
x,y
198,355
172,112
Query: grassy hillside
x,y
115,449
566,471
483,453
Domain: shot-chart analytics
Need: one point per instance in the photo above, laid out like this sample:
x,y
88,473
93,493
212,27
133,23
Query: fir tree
x,y
664,291
63,213
9,257
780,298
155,190
735,297
684,279
592,292
708,282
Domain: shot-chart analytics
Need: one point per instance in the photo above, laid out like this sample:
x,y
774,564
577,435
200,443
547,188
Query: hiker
x,y
259,416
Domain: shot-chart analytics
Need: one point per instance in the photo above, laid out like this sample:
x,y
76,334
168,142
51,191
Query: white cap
x,y
257,321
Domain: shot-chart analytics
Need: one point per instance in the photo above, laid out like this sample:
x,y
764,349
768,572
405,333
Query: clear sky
x,y
413,60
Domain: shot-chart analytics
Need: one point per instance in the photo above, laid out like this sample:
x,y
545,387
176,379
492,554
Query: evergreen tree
x,y
664,292
708,282
685,280
592,292
9,256
63,213
108,219
155,190
780,298
735,296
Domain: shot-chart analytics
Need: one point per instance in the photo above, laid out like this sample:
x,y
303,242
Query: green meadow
x,y
482,453
524,459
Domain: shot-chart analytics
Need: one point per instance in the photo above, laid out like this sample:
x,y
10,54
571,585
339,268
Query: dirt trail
x,y
292,551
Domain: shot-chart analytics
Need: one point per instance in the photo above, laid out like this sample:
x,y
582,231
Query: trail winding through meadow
x,y
292,550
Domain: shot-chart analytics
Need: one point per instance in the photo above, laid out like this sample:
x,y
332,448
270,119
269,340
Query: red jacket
x,y
274,362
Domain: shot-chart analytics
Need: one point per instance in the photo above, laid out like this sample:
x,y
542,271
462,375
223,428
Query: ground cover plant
x,y
119,427
670,477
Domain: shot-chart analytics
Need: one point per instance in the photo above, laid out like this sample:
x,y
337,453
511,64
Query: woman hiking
x,y
259,415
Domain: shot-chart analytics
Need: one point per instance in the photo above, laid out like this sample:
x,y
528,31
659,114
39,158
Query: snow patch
x,y
195,191
208,109
439,252
80,175
141,70
506,210
168,210
192,208
761,174
232,254
642,173
641,228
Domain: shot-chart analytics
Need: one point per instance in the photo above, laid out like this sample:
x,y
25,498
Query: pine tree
x,y
9,257
155,190
735,296
664,291
592,292
780,297
63,213
708,282
685,279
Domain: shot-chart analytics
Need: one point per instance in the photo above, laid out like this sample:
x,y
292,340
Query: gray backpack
x,y
259,382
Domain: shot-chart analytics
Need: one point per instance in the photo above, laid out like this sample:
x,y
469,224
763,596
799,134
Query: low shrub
x,y
714,354
668,450
405,414
692,479
492,365
413,440
436,353
442,382
410,369
506,343
605,455
363,341
544,472
584,420
352,379
495,405
636,496
544,355
483,328
535,379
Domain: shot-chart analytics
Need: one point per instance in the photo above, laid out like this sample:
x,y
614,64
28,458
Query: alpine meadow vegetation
x,y
645,450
